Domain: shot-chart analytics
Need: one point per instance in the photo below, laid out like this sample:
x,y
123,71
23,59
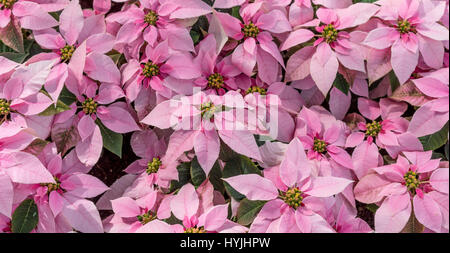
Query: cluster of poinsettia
x,y
245,115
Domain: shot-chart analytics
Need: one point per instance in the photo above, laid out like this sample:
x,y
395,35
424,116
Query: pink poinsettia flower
x,y
130,214
334,44
433,115
322,137
385,131
151,149
200,123
80,47
295,199
411,29
154,21
30,14
218,75
185,206
416,182
94,103
257,47
21,100
388,132
67,195
159,69
20,168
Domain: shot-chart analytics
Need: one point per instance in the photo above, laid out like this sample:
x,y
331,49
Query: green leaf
x,y
67,97
447,151
17,57
394,81
226,153
235,12
195,36
183,176
341,83
55,109
25,218
248,210
238,166
436,140
198,176
436,155
215,177
112,141
372,207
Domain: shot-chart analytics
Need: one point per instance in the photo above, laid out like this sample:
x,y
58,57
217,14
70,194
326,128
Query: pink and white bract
x,y
225,116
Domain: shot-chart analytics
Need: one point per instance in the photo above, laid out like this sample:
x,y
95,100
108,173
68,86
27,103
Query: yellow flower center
x,y
151,18
411,180
208,109
404,27
373,129
256,89
215,81
53,187
153,166
250,30
8,3
293,197
330,33
89,106
4,107
67,52
195,230
150,70
146,217
319,145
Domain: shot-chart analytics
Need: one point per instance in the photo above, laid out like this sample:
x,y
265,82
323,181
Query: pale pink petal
x,y
214,218
243,60
339,103
403,61
226,4
83,216
368,108
125,207
56,202
25,168
370,188
89,151
432,51
207,148
327,186
296,37
71,22
6,195
191,9
117,119
86,127
253,186
393,214
84,186
323,70
185,203
295,166
439,180
427,212
242,142
102,68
